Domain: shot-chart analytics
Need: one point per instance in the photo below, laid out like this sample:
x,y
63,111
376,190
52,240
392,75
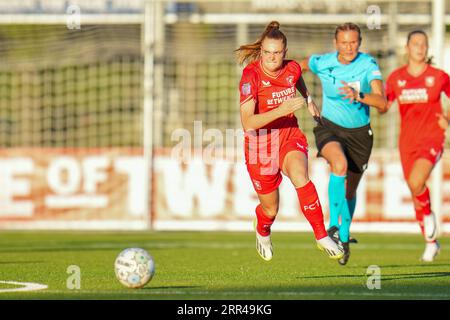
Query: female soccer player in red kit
x,y
417,87
273,141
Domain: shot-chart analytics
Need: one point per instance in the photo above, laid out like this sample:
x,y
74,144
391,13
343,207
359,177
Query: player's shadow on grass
x,y
62,249
334,276
403,276
21,262
416,265
170,287
386,277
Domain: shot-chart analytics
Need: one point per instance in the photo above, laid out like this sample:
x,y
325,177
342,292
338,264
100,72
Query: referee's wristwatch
x,y
361,95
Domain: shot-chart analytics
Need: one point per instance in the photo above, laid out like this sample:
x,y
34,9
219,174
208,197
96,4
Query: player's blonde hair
x,y
248,53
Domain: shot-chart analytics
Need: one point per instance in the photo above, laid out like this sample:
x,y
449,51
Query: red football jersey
x,y
419,99
269,92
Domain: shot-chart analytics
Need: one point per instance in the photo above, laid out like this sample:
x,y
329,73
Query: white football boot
x,y
432,249
263,245
333,250
430,227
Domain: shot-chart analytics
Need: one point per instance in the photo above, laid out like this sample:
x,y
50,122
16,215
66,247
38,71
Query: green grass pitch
x,y
220,265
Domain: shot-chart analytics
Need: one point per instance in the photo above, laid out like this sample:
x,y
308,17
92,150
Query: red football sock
x,y
422,228
310,204
422,205
264,222
422,202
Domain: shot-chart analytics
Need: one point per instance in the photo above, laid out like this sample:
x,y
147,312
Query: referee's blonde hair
x,y
348,26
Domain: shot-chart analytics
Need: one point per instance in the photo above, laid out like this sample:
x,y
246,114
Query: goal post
x,y
71,117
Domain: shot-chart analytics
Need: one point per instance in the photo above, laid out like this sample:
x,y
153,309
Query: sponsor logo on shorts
x,y
433,152
436,154
300,146
257,184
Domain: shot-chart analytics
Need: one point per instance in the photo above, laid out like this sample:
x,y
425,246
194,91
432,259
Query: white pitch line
x,y
376,293
26,286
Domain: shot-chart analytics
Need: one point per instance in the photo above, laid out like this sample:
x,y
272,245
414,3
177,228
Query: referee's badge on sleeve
x,y
376,73
246,89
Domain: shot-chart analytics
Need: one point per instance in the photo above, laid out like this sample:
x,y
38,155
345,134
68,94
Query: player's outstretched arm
x,y
388,106
312,108
251,121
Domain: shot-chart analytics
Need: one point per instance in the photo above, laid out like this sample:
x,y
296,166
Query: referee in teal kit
x,y
351,82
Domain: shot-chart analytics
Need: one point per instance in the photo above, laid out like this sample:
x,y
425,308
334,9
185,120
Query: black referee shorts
x,y
356,142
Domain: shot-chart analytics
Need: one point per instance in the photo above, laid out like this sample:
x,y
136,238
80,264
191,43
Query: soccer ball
x,y
134,267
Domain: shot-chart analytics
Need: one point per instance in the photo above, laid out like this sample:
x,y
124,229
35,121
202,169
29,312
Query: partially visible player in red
x,y
273,141
417,87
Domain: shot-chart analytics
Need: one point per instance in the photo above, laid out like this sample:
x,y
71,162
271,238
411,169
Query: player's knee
x,y
299,178
339,167
270,210
416,187
298,174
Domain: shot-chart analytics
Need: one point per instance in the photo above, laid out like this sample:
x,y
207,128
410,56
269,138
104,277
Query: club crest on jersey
x,y
401,83
246,89
429,81
290,80
265,83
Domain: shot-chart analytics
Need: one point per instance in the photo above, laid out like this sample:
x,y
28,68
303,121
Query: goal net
x,y
71,126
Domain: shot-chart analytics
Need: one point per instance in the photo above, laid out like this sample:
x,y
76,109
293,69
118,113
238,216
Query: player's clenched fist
x,y
291,105
442,121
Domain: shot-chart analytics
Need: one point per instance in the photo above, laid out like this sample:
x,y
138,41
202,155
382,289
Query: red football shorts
x,y
264,156
430,150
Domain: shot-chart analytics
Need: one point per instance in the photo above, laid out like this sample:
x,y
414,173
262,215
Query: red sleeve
x,y
297,68
294,70
390,92
248,87
445,84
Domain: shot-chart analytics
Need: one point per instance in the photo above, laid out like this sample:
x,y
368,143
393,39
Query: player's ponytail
x,y
429,60
248,53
